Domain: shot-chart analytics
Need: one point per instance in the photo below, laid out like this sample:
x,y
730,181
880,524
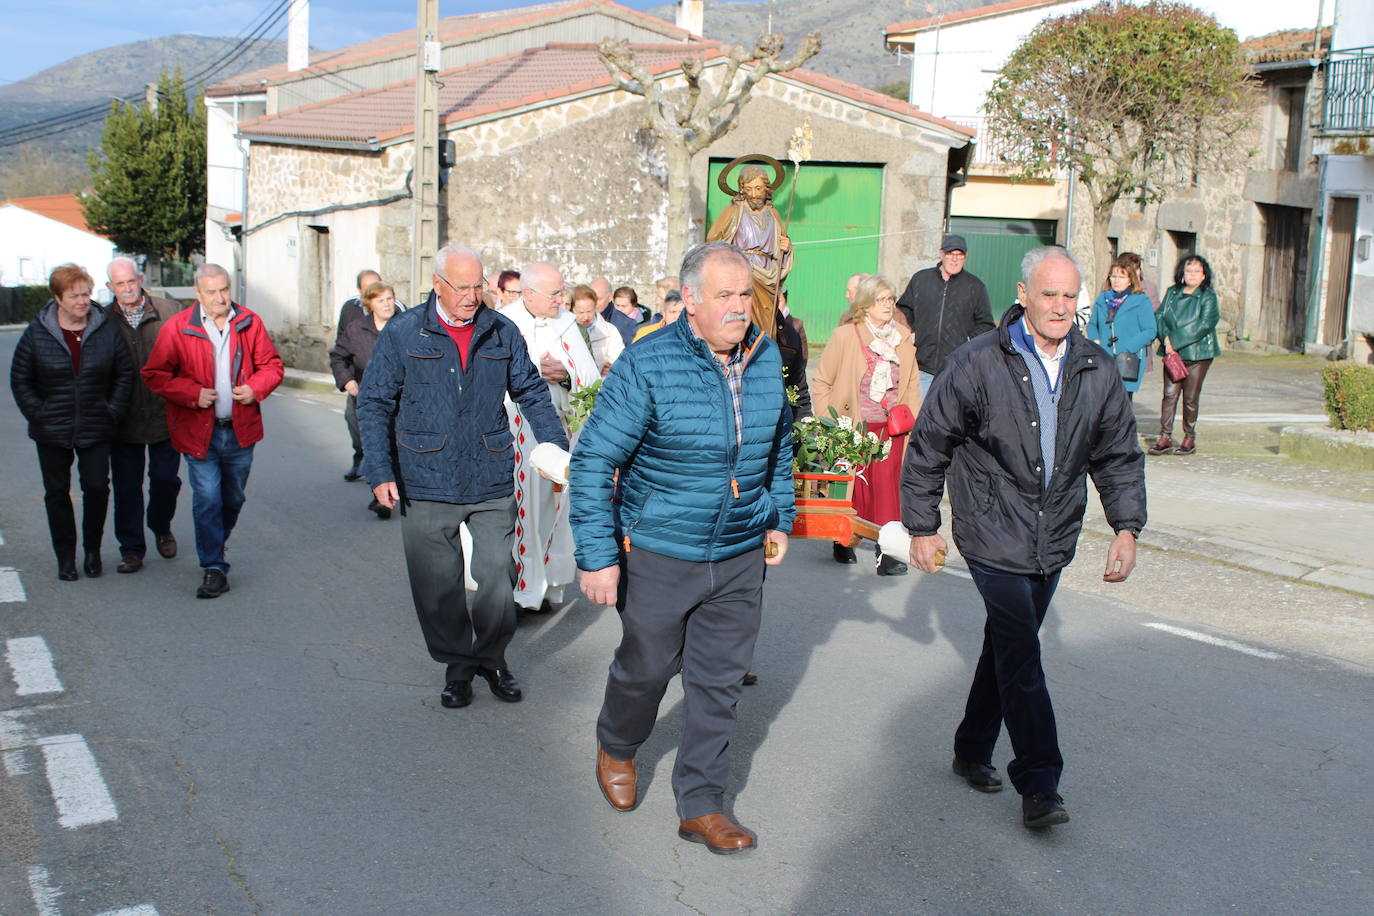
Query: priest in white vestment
x,y
543,538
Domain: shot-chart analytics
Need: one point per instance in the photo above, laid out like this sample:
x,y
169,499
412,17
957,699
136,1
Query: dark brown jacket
x,y
146,421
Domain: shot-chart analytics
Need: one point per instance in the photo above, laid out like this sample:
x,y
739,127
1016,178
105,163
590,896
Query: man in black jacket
x,y
945,305
1018,418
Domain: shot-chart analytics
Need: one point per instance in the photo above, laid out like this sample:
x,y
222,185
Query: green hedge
x,y
20,304
1349,392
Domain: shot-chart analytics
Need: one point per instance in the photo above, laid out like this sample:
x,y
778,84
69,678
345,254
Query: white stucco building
x,y
39,233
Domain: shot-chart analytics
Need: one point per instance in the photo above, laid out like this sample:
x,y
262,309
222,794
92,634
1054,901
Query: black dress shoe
x,y
129,563
843,553
214,584
66,570
383,512
979,776
352,474
887,566
93,566
1043,809
503,684
456,694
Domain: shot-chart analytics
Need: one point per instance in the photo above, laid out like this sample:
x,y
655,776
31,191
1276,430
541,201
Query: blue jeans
x,y
217,482
926,379
164,483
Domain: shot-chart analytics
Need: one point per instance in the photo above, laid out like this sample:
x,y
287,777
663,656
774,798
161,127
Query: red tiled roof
x,y
64,208
553,72
979,12
1286,44
453,30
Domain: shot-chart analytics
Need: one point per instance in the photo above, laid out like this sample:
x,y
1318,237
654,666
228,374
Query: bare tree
x,y
689,122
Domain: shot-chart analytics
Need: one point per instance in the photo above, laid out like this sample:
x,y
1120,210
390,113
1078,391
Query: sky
x,y
29,30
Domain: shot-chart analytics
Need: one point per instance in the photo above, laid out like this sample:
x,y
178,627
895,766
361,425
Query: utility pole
x,y
424,182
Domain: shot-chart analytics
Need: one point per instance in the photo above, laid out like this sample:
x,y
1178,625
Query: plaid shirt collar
x,y
135,317
733,368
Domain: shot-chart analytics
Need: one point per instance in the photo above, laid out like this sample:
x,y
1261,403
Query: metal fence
x,y
1350,90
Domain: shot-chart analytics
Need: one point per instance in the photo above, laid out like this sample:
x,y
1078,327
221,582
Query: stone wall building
x,y
554,163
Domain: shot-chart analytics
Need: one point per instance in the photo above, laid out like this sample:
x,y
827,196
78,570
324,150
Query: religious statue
x,y
753,225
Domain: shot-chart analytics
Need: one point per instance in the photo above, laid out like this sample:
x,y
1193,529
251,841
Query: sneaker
x,y
1163,446
1186,447
216,583
1043,809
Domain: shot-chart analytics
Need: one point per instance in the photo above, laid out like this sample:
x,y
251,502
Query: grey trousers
x,y
702,618
464,632
355,434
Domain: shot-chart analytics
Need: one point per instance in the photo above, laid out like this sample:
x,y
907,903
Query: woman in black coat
x,y
350,353
72,376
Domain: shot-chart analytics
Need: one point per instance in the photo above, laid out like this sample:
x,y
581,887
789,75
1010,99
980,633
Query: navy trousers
x,y
164,483
1009,682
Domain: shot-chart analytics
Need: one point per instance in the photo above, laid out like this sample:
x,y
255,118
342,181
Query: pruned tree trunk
x,y
702,115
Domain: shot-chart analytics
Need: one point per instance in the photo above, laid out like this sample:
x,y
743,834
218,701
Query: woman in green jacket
x,y
1187,325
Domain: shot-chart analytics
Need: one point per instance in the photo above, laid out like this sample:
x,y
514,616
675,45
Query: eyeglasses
x,y
556,294
475,289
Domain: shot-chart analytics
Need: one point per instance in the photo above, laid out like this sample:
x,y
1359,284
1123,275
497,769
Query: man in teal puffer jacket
x,y
695,423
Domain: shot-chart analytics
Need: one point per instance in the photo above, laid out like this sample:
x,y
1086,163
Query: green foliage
x,y
1129,97
831,445
20,304
581,404
898,89
149,177
1349,392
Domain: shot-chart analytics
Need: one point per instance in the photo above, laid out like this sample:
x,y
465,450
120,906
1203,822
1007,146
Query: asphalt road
x,y
282,750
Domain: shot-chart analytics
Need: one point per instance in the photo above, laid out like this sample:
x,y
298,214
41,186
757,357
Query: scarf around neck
x,y
884,344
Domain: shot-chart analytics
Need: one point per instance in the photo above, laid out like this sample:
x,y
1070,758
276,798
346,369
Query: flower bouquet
x,y
828,452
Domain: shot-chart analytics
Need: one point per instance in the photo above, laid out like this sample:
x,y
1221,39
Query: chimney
x,y
691,14
298,35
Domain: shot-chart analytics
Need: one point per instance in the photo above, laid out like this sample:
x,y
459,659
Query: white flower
x,y
846,422
857,437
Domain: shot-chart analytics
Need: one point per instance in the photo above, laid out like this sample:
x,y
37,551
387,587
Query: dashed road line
x,y
143,909
11,587
43,893
78,789
32,666
1215,641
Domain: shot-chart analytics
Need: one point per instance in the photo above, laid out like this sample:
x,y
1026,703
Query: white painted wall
x,y
31,245
1353,176
1354,26
954,66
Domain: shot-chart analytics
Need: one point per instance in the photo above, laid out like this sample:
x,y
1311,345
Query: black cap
x,y
954,243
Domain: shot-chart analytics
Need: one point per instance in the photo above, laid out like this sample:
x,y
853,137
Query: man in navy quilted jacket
x,y
436,440
681,476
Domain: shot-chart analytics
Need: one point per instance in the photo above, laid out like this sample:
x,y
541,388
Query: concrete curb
x,y
1286,564
314,382
1349,450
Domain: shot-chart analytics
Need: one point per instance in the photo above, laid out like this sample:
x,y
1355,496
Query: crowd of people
x,y
677,493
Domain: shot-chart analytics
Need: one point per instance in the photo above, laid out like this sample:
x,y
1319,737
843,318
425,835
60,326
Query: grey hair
x,y
537,269
448,252
695,260
208,270
1037,256
125,259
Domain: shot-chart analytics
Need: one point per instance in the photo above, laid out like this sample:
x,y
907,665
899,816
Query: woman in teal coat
x,y
1187,320
1123,321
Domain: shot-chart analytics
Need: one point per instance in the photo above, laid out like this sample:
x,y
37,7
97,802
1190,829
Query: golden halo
x,y
722,180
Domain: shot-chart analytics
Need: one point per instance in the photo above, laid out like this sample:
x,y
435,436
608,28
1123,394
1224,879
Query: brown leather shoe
x,y
129,563
167,545
719,834
617,780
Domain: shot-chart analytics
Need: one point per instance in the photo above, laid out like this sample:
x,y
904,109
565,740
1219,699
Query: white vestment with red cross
x,y
543,538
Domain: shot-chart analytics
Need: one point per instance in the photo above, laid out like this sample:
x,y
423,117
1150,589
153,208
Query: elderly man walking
x,y
945,306
1017,420
543,540
680,477
143,434
213,364
437,441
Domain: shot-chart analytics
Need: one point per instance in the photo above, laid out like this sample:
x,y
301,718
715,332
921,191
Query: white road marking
x,y
32,665
44,894
78,789
338,410
11,588
143,909
14,737
1269,418
2,539
1214,641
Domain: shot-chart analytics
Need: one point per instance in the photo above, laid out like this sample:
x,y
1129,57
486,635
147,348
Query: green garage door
x,y
835,220
995,249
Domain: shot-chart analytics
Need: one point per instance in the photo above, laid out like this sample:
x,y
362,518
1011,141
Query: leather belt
x,y
225,424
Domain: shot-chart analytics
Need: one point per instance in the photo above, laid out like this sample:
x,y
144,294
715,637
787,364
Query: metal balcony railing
x,y
1350,91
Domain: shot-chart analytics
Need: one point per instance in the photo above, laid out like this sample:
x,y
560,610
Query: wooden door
x,y
1340,257
1283,315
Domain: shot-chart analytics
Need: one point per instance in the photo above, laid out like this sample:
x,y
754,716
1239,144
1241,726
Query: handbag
x,y
1173,365
900,420
1127,364
1128,367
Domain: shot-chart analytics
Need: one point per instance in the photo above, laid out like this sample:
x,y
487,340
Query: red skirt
x,y
877,496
